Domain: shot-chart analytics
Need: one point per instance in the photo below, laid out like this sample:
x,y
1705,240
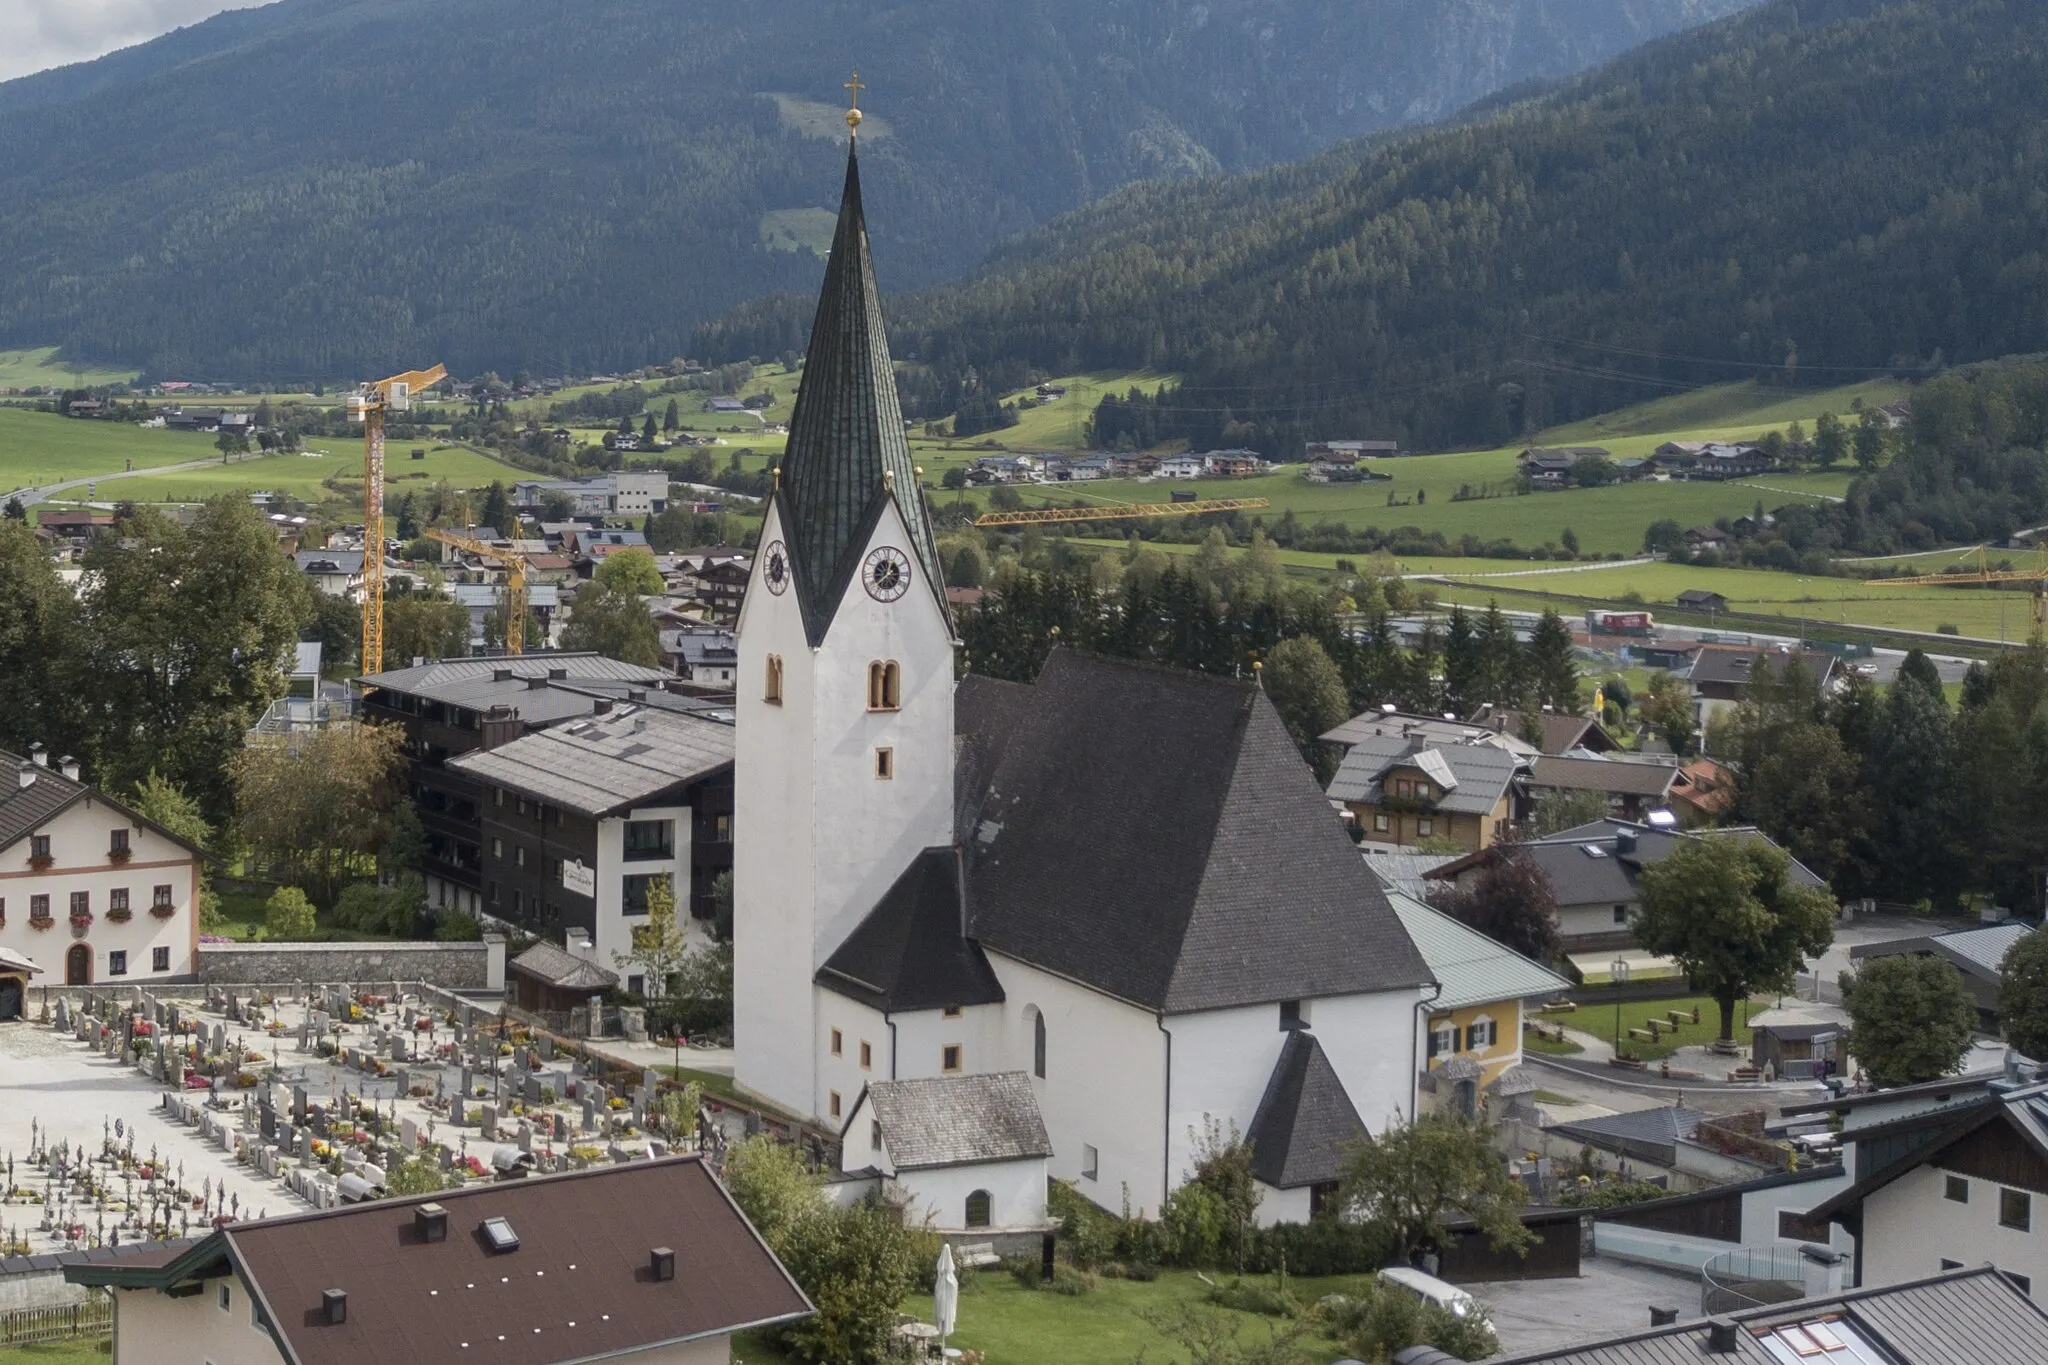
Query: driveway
x,y
1608,1299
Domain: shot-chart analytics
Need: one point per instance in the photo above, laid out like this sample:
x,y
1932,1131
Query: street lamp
x,y
1618,970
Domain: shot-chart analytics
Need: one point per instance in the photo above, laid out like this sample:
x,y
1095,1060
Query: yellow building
x,y
1474,1033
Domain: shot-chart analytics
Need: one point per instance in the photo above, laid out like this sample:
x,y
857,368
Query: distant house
x,y
1551,467
1183,466
1632,788
1561,733
1233,464
1730,462
1402,790
1703,792
1699,599
336,573
724,405
702,654
1721,672
1706,538
1350,452
1673,655
84,407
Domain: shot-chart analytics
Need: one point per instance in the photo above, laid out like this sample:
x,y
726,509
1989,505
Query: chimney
x,y
68,766
430,1221
333,1307
39,755
662,1261
1724,1337
536,684
1624,841
558,675
501,675
28,773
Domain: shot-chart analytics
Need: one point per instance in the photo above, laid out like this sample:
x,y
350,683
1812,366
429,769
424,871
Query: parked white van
x,y
1430,1289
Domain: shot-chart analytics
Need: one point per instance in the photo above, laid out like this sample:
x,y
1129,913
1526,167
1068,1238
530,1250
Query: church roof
x,y
1155,834
846,434
909,953
1305,1121
959,1120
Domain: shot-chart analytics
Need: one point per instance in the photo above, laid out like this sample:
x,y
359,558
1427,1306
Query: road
x,y
31,496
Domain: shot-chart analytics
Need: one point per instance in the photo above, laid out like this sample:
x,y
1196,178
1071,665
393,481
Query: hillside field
x,y
301,476
39,367
38,448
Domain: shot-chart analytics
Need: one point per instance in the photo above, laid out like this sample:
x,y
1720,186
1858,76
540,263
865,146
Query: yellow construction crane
x,y
1983,575
368,406
514,565
1042,516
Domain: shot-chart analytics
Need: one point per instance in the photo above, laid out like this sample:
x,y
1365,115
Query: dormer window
x,y
771,689
885,686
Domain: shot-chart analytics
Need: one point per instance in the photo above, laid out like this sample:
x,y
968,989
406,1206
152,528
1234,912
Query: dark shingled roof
x,y
577,1287
1154,834
1305,1121
909,953
545,962
846,433
24,810
958,1120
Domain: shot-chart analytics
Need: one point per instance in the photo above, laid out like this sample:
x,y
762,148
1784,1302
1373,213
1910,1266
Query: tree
x,y
1508,899
1561,809
647,429
1415,1176
672,417
2023,995
1552,669
39,648
1004,498
417,1174
1910,1018
1503,678
319,809
1830,440
613,622
1909,770
424,625
14,511
497,510
231,442
287,915
1726,908
1873,433
1464,669
661,944
1666,706
1307,690
632,569
1663,536
165,803
1569,539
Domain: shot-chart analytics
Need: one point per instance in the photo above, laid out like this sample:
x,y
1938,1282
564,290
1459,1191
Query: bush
x,y
372,909
1382,1319
1322,1246
1067,1279
287,915
453,926
1272,1300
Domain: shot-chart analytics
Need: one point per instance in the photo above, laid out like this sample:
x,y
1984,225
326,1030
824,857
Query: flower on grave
x,y
615,1103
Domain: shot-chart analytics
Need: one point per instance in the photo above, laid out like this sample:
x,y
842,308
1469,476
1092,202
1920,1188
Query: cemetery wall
x,y
451,966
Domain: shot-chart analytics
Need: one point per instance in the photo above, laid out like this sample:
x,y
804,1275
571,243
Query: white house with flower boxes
x,y
90,892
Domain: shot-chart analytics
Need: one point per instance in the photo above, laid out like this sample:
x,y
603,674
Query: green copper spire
x,y
847,457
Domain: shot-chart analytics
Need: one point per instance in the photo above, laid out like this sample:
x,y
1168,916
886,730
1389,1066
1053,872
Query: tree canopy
x,y
1910,1018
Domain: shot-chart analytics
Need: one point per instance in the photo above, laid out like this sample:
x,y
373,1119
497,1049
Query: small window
x,y
2023,1283
838,1043
721,829
1424,827
1480,1036
1443,1040
159,959
38,907
885,686
979,1207
832,1104
117,963
867,1055
950,1012
949,1057
1956,1189
1380,824
1038,1046
771,688
522,805
650,840
885,764
81,903
633,892
2016,1210
636,985
497,796
875,1135
1322,1198
226,1298
497,848
38,845
519,857
160,897
1090,1162
1291,1017
117,899
1621,914
117,841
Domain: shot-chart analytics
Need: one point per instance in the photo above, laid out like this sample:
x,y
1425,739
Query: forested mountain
x,y
1811,190
327,188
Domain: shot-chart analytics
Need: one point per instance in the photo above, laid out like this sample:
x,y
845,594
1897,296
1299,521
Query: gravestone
x,y
305,1034
525,1138
547,1048
305,1146
532,1088
490,1123
299,1105
589,1114
269,1121
63,1016
408,1134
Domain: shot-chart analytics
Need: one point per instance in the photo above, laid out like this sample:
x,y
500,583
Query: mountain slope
x,y
1812,191
322,188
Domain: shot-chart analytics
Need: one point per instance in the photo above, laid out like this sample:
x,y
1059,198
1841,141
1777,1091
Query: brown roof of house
x,y
1620,777
578,1286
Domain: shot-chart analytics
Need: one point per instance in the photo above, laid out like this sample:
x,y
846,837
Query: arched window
x,y
771,688
885,686
1038,1044
979,1206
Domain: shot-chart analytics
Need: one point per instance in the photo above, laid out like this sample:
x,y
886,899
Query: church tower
x,y
844,762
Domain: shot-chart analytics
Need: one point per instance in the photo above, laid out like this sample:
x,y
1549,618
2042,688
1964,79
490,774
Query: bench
x,y
1678,1017
1657,1027
978,1255
1642,1035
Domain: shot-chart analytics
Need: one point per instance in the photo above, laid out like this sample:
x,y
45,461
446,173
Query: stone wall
x,y
452,966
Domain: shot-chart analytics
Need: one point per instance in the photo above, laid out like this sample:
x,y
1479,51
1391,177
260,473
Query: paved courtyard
x,y
1608,1298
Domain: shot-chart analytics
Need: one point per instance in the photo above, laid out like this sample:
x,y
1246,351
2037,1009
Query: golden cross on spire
x,y
853,89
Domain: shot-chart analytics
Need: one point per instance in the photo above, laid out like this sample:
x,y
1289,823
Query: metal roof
x,y
1471,968
1627,777
1482,772
443,679
1402,870
607,764
1980,952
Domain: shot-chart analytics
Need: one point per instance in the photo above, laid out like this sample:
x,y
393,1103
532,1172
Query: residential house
x,y
708,655
333,573
1702,793
1474,1030
1699,599
620,493
724,405
1402,791
1719,461
1007,468
1348,453
1720,673
1132,465
1233,464
74,529
124,890
1976,953
648,1261
964,1155
486,604
1950,1186
193,419
721,586
449,707
1182,466
579,820
1551,467
1674,656
1666,1144
1562,733
1632,787
1386,721
1706,538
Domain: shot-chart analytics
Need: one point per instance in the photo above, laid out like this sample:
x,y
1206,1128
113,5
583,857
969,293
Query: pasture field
x,y
1722,411
303,476
38,448
39,367
1061,423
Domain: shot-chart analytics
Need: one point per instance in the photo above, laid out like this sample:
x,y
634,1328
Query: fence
x,y
1751,1277
58,1322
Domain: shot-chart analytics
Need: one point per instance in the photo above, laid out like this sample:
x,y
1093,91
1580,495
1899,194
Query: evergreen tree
x,y
672,417
1501,669
1464,668
1551,667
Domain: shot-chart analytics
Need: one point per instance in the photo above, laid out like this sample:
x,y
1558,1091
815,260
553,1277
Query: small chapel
x,y
1119,881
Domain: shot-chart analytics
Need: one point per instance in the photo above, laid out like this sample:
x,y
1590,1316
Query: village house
x,y
964,1155
1703,792
333,573
1562,733
1717,461
1706,538
1631,787
1402,791
90,892
1720,673
579,821
649,1261
1232,464
1551,467
1700,599
1185,465
703,654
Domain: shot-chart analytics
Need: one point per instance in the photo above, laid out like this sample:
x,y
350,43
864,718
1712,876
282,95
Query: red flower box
x,y
163,911
120,916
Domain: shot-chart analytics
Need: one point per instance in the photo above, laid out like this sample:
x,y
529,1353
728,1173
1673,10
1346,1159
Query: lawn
x,y
1721,411
38,448
1061,424
89,1351
242,916
302,475
40,368
1599,1020
1107,1326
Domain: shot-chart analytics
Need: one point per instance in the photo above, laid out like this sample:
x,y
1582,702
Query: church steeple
x,y
847,456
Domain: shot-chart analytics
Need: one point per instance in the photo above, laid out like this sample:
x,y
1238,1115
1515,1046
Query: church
x,y
1119,880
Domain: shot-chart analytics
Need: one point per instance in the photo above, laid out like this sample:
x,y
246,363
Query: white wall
x,y
79,839
1282,1206
1016,1192
1373,1042
857,1023
1909,1228
1760,1209
150,1328
979,1031
614,927
1105,1082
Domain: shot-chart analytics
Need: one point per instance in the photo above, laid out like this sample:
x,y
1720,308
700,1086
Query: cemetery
x,y
152,1116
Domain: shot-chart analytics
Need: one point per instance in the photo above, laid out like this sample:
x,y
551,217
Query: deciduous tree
x,y
1417,1176
631,570
319,809
424,625
2023,995
1910,1018
1307,690
1508,899
614,622
287,915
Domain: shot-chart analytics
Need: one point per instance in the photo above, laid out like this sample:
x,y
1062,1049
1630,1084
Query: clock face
x,y
776,570
887,574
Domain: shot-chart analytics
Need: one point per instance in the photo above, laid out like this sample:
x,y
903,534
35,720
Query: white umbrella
x,y
945,1296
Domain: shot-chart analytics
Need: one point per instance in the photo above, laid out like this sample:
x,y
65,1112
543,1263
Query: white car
x,y
1430,1289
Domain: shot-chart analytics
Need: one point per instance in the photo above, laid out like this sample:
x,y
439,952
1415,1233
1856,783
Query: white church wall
x,y
1222,1063
857,1025
1104,1087
1281,1206
1016,1191
1371,1041
923,1036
